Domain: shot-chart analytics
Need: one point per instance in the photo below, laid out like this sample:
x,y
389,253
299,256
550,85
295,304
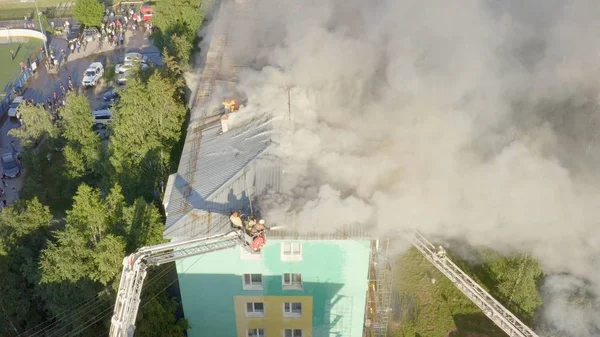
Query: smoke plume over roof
x,y
461,118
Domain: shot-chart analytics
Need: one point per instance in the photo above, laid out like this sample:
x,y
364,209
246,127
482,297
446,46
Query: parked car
x,y
106,105
10,165
74,33
111,95
122,77
93,74
102,117
90,34
124,67
14,106
135,57
146,12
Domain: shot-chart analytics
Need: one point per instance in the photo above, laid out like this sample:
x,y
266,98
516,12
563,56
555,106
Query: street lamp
x,y
37,11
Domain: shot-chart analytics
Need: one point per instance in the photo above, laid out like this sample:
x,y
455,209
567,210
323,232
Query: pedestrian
x,y
55,97
62,88
22,66
4,177
85,42
4,202
64,55
78,46
12,55
72,46
122,39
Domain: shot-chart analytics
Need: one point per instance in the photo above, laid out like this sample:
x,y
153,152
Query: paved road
x,y
43,85
12,185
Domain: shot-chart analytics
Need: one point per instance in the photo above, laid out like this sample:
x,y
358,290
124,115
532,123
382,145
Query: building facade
x,y
293,288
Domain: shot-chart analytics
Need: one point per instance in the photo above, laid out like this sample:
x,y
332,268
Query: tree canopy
x,y
516,281
177,23
37,124
137,154
89,12
82,150
85,205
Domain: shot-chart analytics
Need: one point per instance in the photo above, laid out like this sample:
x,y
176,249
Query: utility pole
x,y
289,104
37,12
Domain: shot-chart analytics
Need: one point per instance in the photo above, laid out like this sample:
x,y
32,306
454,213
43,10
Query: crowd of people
x,y
53,102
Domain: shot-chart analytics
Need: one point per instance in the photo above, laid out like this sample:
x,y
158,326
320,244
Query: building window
x,y
291,251
255,309
256,332
253,282
292,333
292,281
292,309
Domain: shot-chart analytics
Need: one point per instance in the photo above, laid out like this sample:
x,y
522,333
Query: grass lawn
x,y
11,4
422,308
10,68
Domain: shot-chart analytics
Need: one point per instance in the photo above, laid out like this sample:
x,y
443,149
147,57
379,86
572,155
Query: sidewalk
x,y
132,39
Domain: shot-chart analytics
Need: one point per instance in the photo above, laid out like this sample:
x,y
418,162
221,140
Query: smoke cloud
x,y
461,118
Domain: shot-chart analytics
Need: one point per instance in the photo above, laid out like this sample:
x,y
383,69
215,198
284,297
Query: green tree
x,y
37,125
24,228
85,248
177,23
89,12
516,278
155,318
141,156
82,149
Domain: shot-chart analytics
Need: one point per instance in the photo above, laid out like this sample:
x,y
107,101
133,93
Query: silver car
x,y
10,165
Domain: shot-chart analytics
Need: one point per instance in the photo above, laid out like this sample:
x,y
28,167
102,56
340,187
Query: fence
x,y
20,80
63,10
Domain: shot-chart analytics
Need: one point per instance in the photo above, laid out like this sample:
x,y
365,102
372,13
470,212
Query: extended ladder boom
x,y
503,318
134,272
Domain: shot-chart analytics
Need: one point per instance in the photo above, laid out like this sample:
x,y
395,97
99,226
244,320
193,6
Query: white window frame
x,y
295,254
291,285
251,285
257,332
288,310
246,255
254,312
292,332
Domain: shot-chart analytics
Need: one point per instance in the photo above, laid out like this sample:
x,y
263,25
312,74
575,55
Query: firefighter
x,y
236,220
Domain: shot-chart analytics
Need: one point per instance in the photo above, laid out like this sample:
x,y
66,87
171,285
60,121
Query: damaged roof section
x,y
218,172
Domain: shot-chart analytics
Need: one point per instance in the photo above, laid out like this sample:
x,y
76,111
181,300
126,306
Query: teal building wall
x,y
334,273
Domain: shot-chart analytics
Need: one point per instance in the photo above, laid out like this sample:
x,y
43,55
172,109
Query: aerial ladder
x,y
135,267
503,318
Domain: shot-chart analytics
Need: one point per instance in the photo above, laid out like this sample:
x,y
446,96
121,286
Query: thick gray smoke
x,y
462,118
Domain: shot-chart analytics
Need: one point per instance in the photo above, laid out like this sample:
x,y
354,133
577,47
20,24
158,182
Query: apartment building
x,y
299,284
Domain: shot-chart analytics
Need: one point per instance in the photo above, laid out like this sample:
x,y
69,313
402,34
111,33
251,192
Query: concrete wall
x,y
22,33
334,274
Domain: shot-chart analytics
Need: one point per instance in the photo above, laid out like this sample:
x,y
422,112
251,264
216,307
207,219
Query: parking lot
x,y
43,85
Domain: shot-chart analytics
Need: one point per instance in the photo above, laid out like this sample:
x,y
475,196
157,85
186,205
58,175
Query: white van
x,y
14,106
102,116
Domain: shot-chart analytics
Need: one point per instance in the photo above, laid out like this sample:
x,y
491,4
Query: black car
x,y
110,95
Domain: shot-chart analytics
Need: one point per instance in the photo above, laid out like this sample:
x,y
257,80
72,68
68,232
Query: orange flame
x,y
231,105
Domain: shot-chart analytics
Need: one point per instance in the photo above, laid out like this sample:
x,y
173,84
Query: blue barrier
x,y
20,81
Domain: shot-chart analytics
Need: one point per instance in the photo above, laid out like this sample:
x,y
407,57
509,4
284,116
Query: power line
x,y
70,315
